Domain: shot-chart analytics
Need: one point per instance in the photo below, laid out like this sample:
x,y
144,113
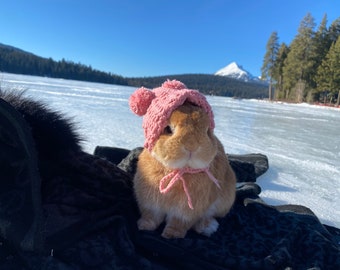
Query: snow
x,y
233,70
301,141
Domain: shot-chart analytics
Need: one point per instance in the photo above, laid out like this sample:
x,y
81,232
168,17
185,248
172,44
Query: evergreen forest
x,y
209,85
307,69
17,61
14,60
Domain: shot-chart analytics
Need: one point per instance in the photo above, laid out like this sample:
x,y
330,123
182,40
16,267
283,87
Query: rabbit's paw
x,y
206,226
146,224
171,232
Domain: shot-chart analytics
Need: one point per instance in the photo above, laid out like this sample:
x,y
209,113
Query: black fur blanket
x,y
77,211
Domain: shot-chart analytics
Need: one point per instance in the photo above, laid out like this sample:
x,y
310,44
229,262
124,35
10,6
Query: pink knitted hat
x,y
157,105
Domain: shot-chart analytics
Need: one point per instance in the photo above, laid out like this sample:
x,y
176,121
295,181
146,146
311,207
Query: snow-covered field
x,y
301,141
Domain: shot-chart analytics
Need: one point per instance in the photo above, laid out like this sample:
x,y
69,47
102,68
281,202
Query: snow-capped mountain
x,y
235,71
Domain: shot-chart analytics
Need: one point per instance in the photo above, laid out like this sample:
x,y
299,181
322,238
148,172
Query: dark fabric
x,y
114,155
248,167
89,222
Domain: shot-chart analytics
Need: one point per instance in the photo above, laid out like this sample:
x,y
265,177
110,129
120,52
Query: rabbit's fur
x,y
187,141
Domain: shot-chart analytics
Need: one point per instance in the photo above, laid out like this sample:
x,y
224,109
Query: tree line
x,y
308,69
209,85
14,60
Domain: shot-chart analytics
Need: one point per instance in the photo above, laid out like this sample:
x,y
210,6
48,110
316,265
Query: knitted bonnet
x,y
157,105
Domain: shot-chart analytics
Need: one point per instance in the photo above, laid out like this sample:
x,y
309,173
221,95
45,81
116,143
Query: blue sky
x,y
148,38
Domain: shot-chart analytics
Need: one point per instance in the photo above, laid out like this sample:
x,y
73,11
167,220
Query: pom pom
x,y
174,84
140,101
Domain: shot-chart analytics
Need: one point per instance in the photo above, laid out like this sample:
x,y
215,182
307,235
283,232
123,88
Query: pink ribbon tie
x,y
177,175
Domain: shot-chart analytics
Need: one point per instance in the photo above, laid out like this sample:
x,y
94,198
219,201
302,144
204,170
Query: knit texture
x,y
157,105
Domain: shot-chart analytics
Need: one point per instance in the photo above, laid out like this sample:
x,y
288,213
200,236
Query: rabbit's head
x,y
157,107
187,140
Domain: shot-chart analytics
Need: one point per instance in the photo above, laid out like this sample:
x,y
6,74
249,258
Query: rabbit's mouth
x,y
196,163
195,159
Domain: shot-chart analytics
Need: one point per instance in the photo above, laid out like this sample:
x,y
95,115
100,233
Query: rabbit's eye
x,y
167,130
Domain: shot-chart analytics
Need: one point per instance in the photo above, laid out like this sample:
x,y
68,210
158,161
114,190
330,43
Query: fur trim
x,y
53,133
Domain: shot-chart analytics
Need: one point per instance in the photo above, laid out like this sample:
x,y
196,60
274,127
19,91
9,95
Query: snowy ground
x,y
302,142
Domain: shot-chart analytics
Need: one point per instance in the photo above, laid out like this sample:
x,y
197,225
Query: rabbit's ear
x,y
140,100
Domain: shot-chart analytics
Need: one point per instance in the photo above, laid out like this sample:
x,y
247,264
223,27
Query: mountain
x,y
12,49
235,71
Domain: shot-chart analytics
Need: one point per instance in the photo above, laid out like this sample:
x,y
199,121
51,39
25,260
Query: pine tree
x,y
321,46
269,60
328,73
299,62
334,31
278,71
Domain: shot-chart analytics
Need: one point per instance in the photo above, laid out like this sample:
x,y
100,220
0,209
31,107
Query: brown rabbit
x,y
185,179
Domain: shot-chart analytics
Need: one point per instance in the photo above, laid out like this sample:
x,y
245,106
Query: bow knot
x,y
177,175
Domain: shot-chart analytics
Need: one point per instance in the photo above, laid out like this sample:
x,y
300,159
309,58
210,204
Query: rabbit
x,y
185,180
